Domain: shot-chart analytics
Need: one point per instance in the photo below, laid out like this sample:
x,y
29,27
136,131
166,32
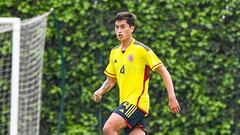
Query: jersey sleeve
x,y
152,60
110,70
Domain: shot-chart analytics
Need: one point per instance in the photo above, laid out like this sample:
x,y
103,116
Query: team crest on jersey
x,y
130,58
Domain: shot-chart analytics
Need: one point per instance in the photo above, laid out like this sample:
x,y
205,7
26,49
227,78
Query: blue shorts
x,y
133,116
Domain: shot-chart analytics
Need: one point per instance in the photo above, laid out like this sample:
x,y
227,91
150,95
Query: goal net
x,y
21,62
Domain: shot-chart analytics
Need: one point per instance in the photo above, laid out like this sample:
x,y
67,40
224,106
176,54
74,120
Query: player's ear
x,y
132,28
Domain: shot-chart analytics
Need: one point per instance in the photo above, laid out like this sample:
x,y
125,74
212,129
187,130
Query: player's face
x,y
123,30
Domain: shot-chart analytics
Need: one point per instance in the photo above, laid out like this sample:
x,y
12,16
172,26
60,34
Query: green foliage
x,y
198,41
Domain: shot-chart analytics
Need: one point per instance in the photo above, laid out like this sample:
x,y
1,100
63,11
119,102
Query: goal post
x,y
22,45
16,26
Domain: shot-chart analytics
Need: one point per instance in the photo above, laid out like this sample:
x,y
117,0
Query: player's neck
x,y
126,43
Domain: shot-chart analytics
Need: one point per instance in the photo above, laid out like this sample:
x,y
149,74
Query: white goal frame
x,y
16,29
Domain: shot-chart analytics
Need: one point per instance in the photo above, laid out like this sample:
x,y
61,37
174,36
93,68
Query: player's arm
x,y
106,86
173,103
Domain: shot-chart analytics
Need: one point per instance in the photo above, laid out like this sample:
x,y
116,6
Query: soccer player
x,y
129,66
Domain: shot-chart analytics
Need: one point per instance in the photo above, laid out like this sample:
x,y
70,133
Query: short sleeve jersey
x,y
132,70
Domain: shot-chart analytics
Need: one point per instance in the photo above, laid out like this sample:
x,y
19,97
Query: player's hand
x,y
173,105
97,96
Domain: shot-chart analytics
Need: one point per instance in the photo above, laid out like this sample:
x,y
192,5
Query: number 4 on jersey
x,y
122,70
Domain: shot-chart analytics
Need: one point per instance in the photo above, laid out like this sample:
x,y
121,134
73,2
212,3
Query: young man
x,y
129,65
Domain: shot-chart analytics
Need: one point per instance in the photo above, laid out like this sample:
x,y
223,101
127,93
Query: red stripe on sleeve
x,y
156,65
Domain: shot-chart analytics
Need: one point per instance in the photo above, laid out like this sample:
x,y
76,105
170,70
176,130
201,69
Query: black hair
x,y
130,17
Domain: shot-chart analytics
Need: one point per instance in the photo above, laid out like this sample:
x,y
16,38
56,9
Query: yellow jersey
x,y
132,69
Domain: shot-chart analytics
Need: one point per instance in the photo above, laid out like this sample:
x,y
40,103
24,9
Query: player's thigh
x,y
137,131
115,121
